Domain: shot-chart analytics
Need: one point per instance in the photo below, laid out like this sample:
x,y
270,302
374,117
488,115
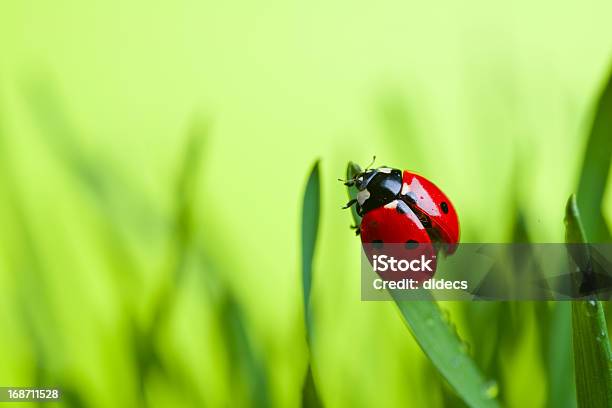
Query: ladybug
x,y
402,207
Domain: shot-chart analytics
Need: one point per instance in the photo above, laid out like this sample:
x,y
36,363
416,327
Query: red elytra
x,y
396,231
436,206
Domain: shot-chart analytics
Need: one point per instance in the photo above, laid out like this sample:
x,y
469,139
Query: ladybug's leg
x,y
350,204
357,229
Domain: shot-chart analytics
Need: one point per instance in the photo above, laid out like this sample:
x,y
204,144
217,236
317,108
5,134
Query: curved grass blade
x,y
310,225
595,168
592,356
440,342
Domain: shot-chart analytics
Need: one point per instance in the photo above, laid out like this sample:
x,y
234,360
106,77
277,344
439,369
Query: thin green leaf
x,y
574,228
592,356
310,227
441,343
595,168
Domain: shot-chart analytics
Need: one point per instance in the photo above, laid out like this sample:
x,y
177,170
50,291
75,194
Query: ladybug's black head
x,y
377,187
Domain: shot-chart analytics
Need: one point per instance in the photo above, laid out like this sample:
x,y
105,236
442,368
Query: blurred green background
x,y
153,158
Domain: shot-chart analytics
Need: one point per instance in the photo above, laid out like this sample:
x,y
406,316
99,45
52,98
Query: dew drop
x,y
490,389
465,347
591,307
446,315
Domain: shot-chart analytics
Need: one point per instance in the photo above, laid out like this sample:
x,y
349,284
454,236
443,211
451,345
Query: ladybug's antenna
x,y
348,183
371,163
351,182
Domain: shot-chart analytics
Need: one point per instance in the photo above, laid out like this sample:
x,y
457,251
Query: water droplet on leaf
x,y
490,389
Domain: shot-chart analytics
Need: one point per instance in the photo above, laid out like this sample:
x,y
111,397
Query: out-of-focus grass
x,y
32,301
142,335
90,196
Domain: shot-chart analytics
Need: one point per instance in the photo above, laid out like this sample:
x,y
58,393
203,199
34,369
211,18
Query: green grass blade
x,y
440,342
311,209
595,168
310,227
574,230
448,353
592,357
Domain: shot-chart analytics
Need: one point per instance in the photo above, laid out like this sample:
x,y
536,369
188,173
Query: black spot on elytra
x,y
377,244
411,244
444,207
